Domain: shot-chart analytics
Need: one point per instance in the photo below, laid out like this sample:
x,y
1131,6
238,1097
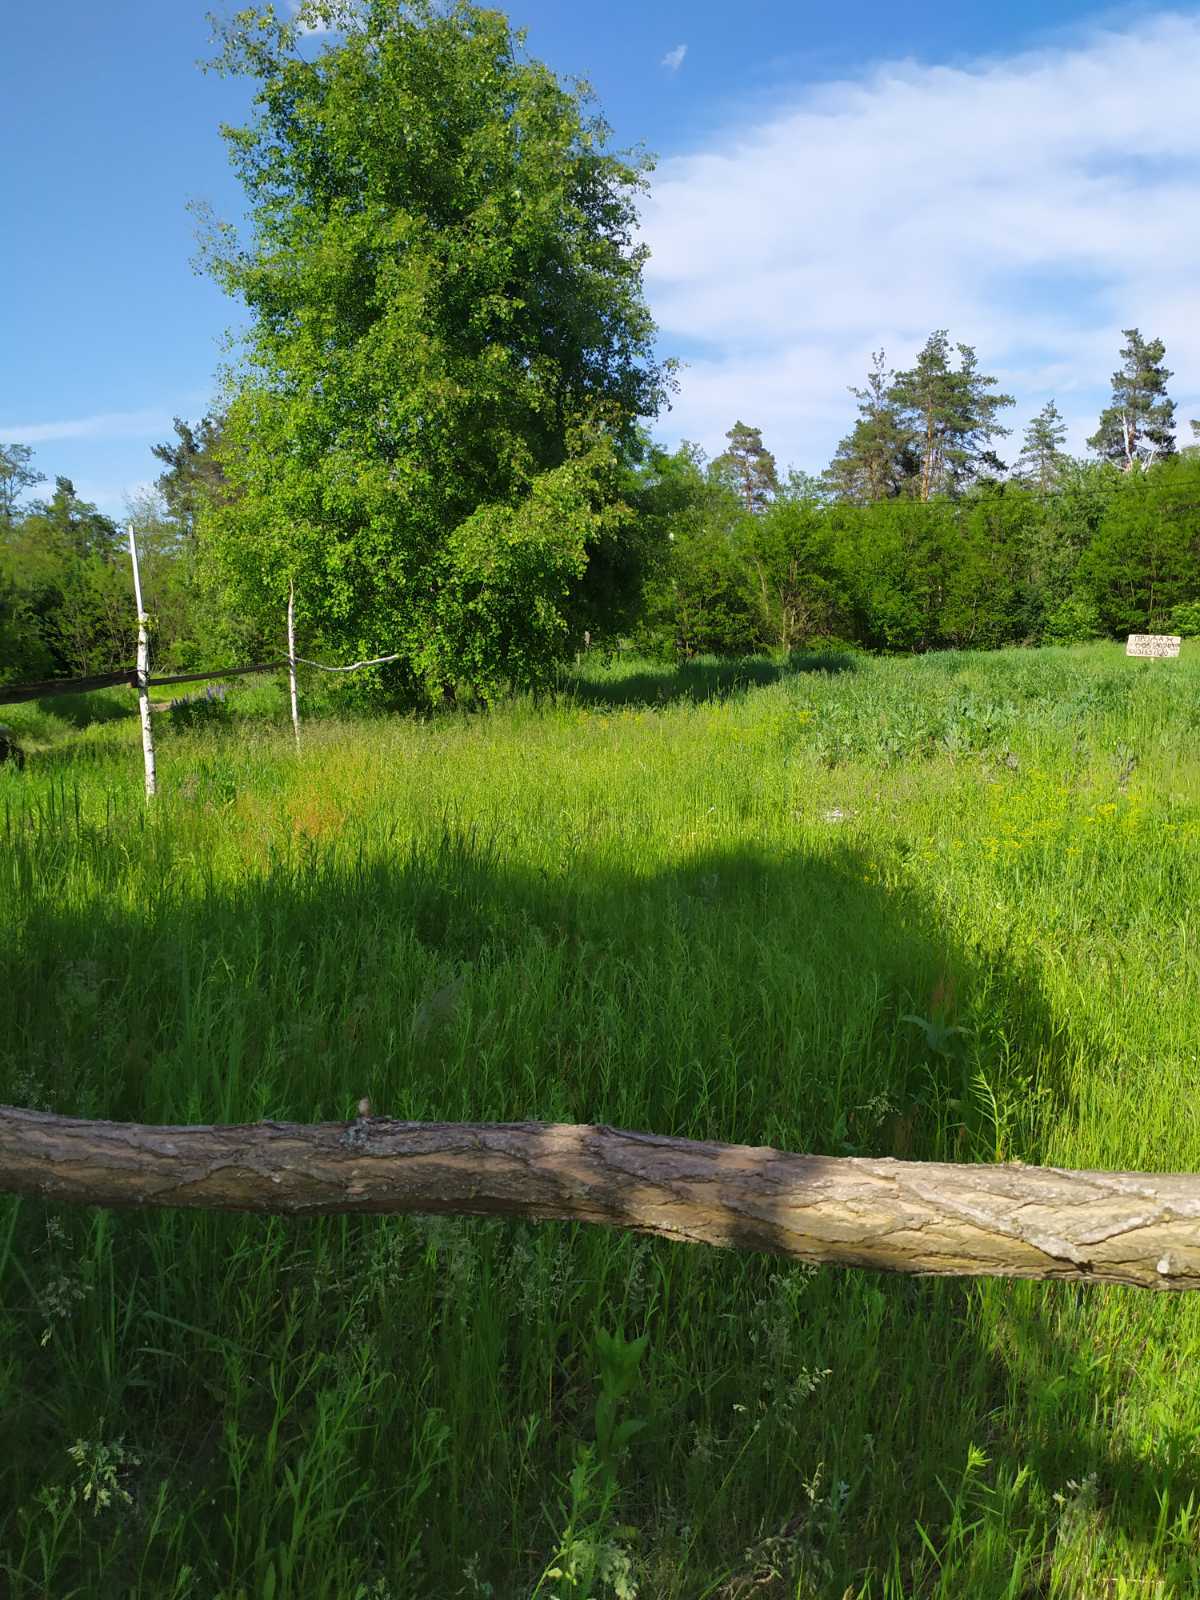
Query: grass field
x,y
933,908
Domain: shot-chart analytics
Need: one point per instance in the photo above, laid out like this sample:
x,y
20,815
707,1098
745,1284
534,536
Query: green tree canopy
x,y
876,460
66,526
1145,557
192,470
748,467
448,350
952,414
68,587
16,475
1139,425
1042,457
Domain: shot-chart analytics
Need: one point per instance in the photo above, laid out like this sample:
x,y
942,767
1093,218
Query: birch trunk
x,y
143,673
892,1216
292,660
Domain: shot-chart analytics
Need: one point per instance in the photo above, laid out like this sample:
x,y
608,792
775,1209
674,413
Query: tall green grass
x,y
936,908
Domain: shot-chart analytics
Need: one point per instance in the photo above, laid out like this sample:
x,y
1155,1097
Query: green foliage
x,y
193,476
25,652
66,594
10,748
1097,550
16,475
748,467
920,433
1075,621
1145,557
207,709
707,603
951,416
505,584
699,596
1042,457
1139,425
447,334
65,598
1185,619
877,460
895,556
800,591
619,1360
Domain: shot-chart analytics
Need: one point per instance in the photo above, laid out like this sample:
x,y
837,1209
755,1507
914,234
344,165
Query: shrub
x,y
208,709
1075,621
1185,619
10,750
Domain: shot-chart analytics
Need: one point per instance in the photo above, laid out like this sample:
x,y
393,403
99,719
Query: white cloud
x,y
673,59
1035,206
104,425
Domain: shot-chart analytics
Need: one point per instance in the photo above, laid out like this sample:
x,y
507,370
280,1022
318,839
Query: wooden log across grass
x,y
1005,1220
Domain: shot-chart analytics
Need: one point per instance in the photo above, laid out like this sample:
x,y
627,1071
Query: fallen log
x,y
1005,1220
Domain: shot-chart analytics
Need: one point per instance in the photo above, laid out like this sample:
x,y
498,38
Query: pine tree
x,y
876,459
193,470
749,467
1140,423
952,414
1042,455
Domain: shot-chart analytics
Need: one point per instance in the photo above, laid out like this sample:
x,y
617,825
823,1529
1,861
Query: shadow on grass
x,y
736,996
81,710
703,679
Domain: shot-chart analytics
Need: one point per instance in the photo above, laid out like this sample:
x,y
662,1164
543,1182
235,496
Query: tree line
x,y
66,595
915,538
918,537
440,427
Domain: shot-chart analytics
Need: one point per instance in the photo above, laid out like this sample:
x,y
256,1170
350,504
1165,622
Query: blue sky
x,y
831,180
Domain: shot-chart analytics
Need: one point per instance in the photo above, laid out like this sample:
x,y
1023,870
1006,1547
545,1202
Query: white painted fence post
x,y
292,659
143,671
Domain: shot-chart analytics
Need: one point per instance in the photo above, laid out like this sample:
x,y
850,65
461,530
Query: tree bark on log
x,y
893,1216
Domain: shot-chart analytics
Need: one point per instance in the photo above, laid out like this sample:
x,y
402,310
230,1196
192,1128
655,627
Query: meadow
x,y
942,907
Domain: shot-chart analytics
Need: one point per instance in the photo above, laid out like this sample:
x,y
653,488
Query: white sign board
x,y
1152,644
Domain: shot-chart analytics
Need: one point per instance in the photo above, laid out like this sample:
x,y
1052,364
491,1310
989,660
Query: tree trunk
x,y
893,1216
291,633
143,673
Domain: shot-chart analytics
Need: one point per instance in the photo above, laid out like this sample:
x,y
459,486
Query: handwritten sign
x,y
1152,644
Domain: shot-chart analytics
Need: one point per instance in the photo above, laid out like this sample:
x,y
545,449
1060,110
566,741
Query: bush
x,y
10,750
208,709
1075,621
1185,619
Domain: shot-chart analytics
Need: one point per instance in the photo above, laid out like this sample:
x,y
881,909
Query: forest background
x,y
492,500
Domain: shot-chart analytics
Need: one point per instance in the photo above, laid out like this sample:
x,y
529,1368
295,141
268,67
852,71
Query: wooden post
x,y
292,659
143,671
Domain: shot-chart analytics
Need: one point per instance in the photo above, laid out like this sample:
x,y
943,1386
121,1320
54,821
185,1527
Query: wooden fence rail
x,y
894,1216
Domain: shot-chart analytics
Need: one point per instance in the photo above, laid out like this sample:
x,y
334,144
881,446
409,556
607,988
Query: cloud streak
x,y
673,59
1034,206
104,425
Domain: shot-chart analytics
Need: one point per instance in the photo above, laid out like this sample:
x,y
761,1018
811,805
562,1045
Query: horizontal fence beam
x,y
12,694
932,1218
15,693
223,672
